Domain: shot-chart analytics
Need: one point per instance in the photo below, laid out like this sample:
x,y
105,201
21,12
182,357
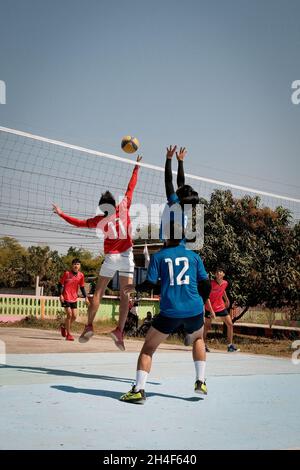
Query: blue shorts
x,y
168,325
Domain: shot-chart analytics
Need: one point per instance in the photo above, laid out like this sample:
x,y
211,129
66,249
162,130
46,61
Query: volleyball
x,y
130,144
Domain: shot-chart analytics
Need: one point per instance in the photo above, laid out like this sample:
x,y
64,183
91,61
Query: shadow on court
x,y
116,395
67,373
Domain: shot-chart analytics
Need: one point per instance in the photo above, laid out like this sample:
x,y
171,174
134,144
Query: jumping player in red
x,y
68,292
116,225
217,305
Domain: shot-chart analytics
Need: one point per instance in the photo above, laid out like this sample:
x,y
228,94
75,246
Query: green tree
x,y
90,265
257,245
46,264
12,255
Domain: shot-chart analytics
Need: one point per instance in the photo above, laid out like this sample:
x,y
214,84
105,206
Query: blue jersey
x,y
171,212
179,270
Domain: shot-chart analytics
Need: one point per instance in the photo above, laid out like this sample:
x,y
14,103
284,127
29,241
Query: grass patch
x,y
254,345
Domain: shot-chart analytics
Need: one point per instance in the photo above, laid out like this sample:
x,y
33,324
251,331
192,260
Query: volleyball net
x,y
36,171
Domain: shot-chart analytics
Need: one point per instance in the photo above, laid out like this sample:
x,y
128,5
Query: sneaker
x,y
69,337
232,348
117,336
134,397
207,349
200,387
86,334
63,331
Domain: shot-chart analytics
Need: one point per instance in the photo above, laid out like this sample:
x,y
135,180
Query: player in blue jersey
x,y
182,275
184,195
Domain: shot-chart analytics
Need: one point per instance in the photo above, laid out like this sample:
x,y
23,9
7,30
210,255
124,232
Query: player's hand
x,y
170,151
129,289
56,209
61,298
181,154
87,302
213,315
139,158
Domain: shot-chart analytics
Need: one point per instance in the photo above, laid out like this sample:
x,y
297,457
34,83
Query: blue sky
x,y
212,75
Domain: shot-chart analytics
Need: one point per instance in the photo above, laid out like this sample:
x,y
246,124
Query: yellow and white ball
x,y
130,144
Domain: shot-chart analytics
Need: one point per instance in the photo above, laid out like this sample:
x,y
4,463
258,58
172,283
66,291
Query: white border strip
x,y
145,165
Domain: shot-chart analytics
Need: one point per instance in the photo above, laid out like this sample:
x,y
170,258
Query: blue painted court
x,y
70,401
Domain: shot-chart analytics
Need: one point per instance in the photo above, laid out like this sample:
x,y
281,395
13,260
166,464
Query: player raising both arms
x,y
184,195
116,225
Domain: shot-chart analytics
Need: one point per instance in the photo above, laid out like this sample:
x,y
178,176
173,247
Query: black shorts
x,y
72,305
222,313
168,325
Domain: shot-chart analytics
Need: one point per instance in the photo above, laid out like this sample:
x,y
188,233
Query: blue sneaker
x,y
232,348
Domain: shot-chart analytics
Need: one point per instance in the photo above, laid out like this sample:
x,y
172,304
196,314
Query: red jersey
x,y
117,226
70,283
216,295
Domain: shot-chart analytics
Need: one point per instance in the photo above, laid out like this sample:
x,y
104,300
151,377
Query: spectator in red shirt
x,y
68,292
116,226
217,305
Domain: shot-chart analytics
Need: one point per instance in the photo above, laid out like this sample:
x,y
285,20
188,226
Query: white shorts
x,y
122,262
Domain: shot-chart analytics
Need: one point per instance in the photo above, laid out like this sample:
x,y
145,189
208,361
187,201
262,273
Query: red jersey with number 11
x,y
117,226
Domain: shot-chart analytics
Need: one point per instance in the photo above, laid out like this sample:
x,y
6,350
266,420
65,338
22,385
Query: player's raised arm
x,y
89,223
133,180
180,172
168,171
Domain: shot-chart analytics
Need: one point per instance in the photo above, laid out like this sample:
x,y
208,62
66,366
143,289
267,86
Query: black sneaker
x,y
207,349
200,387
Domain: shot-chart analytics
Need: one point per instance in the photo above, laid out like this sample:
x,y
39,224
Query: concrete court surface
x,y
71,400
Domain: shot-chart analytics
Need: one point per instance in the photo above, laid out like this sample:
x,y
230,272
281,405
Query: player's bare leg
x,y
93,308
153,339
228,322
199,357
73,315
117,333
68,322
68,319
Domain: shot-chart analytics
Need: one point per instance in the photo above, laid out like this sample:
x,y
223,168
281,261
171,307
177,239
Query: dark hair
x,y
220,267
187,195
76,260
107,198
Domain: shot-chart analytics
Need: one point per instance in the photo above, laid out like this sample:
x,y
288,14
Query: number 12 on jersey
x,y
180,280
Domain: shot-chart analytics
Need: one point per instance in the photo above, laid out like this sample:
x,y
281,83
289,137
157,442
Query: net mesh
x,y
36,171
